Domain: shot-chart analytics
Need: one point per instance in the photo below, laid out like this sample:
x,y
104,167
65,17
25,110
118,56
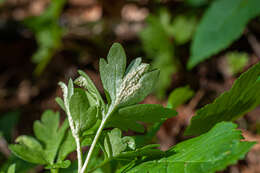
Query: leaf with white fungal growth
x,y
141,87
84,81
67,93
130,86
131,83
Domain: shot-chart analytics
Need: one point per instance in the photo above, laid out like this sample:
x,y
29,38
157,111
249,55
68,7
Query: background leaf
x,y
157,45
182,28
7,123
236,62
48,34
222,23
242,97
179,96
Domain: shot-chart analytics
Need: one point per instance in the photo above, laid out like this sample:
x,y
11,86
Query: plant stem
x,y
93,146
77,140
102,125
79,153
54,170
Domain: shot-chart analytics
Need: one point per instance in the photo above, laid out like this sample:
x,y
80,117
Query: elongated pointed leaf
x,y
243,97
208,153
221,25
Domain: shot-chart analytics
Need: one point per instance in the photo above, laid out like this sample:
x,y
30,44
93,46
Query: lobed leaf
x,y
112,71
242,97
115,144
29,149
47,131
127,117
210,152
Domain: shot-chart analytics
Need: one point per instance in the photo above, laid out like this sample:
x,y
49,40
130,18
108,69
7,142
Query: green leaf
x,y
183,28
47,32
83,115
85,81
236,62
179,96
242,97
112,71
148,150
221,25
52,137
210,152
197,3
114,143
21,166
127,117
145,86
29,149
147,138
11,169
133,65
60,103
7,123
47,131
67,146
61,164
156,42
126,88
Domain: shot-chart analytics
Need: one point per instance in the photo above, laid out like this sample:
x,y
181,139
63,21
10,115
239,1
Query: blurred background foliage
x,y
199,45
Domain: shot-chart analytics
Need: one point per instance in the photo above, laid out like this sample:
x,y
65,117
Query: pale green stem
x,y
79,152
92,147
